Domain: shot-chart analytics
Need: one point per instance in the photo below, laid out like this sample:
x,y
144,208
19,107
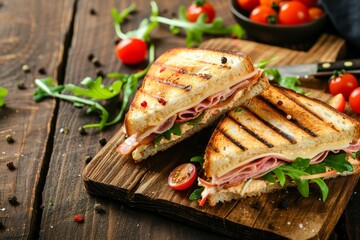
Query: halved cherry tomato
x,y
354,100
131,50
315,13
183,176
338,102
197,8
343,83
309,3
248,5
263,14
293,12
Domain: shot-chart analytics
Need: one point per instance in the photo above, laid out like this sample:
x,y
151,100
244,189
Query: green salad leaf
x,y
196,194
3,93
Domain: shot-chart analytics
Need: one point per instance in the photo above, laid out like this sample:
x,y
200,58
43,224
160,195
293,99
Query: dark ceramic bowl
x,y
277,34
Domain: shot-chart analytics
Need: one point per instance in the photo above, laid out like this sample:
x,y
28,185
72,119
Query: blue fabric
x,y
345,16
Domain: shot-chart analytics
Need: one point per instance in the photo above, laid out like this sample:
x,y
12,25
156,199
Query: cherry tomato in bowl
x,y
293,13
315,13
343,83
354,100
263,14
248,5
338,102
183,176
199,7
131,50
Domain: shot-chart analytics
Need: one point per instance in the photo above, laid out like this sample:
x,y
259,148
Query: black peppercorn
x,y
9,139
42,71
21,86
10,166
13,201
88,159
102,141
223,60
82,130
93,12
90,57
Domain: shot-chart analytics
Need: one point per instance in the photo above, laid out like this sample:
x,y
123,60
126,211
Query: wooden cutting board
x,y
282,214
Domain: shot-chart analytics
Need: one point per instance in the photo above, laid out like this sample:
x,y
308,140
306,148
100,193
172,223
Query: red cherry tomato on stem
x,y
248,5
354,100
343,83
293,12
263,14
270,3
183,176
131,50
338,102
197,8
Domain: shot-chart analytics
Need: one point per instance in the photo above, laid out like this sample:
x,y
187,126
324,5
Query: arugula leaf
x,y
280,175
196,194
338,162
290,82
195,31
95,89
301,163
269,177
264,62
46,87
3,93
145,26
197,159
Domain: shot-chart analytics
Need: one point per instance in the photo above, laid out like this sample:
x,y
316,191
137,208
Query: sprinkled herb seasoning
x,y
13,201
11,166
82,130
162,101
26,68
88,159
78,219
42,71
223,60
9,139
102,141
21,86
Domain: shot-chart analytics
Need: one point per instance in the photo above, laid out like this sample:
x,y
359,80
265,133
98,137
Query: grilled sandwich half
x,y
184,91
271,130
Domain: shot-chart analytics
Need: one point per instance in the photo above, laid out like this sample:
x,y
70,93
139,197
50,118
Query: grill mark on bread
x,y
293,120
258,137
288,95
288,137
172,84
234,141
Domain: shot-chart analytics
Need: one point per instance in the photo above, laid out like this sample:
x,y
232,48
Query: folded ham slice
x,y
184,116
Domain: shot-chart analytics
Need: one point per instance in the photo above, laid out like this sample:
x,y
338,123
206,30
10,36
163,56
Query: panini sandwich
x,y
184,91
272,131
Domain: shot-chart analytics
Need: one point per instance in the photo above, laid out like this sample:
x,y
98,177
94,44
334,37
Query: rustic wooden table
x,y
54,38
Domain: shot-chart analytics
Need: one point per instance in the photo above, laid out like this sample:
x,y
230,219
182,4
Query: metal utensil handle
x,y
353,64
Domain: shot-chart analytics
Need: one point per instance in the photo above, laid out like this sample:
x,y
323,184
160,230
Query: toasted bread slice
x,y
279,121
181,78
210,116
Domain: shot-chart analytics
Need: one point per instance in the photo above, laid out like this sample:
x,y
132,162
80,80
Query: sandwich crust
x,y
181,78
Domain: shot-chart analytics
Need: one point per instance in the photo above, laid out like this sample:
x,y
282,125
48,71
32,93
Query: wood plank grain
x,y
27,37
241,217
64,194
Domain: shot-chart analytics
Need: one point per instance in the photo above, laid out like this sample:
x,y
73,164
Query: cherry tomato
x,y
270,3
183,176
248,5
309,3
293,12
263,14
197,8
354,100
315,13
343,83
338,102
131,50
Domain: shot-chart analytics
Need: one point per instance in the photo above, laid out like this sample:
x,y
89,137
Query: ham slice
x,y
136,139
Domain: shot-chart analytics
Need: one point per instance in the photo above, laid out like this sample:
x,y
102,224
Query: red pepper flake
x,y
162,69
143,104
162,101
78,219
